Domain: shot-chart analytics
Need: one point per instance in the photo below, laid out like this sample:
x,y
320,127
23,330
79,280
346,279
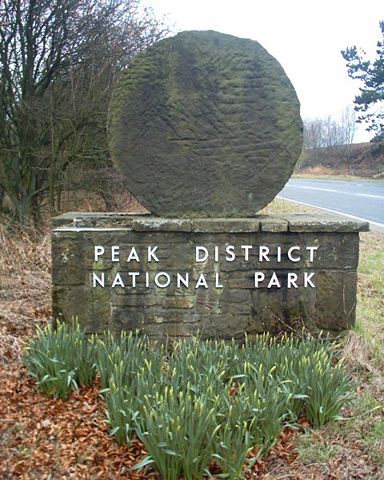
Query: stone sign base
x,y
218,277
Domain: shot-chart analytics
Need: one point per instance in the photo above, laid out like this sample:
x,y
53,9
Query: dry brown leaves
x,y
45,438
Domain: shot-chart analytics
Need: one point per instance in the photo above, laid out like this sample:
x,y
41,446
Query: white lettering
x,y
230,251
133,255
292,279
115,250
118,281
99,250
291,257
307,280
246,249
259,277
133,275
204,252
201,281
274,281
98,280
151,254
167,279
263,253
217,281
182,280
312,253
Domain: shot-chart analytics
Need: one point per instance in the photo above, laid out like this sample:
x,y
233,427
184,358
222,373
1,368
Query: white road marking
x,y
337,191
316,188
377,224
369,196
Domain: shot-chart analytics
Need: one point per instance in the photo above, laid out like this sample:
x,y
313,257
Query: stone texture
x,y
98,219
294,222
164,225
227,225
273,224
236,308
205,124
326,222
67,259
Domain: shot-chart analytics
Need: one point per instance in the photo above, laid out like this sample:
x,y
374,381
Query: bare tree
x,y
328,137
348,123
328,132
58,62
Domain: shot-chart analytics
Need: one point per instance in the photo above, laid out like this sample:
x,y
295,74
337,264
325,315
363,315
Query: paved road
x,y
363,199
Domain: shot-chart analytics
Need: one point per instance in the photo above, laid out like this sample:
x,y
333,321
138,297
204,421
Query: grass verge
x,y
354,446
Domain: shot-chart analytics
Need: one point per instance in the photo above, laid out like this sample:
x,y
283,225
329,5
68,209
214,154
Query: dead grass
x,y
282,207
321,171
84,201
25,281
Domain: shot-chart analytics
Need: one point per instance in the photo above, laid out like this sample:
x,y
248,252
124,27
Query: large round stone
x,y
205,124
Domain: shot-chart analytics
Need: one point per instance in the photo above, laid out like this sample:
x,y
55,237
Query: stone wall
x,y
312,284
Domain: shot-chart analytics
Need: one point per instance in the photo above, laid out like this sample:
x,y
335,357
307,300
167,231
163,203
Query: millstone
x,y
205,124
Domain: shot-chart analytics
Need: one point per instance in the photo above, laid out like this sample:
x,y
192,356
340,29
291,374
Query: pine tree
x,y
370,101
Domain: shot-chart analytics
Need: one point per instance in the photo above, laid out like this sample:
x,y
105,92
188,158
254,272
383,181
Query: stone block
x,y
225,225
234,306
325,223
162,225
67,259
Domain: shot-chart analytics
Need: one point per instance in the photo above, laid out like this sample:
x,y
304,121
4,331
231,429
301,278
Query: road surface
x,y
361,199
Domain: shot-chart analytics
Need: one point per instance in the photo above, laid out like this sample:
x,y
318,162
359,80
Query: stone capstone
x,y
205,124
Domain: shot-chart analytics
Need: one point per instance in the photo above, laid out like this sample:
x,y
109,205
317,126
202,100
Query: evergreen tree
x,y
370,101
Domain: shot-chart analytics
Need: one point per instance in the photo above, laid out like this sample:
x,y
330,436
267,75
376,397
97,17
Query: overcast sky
x,y
305,36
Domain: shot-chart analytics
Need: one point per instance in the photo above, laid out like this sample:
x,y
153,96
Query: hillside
x,y
358,159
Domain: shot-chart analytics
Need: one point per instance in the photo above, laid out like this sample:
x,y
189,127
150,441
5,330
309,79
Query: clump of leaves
x,y
121,412
326,387
179,431
125,400
266,406
60,358
234,438
118,357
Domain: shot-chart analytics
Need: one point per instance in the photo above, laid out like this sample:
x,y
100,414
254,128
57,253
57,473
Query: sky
x,y
305,36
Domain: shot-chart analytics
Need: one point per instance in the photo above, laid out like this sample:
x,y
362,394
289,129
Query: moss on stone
x,y
205,124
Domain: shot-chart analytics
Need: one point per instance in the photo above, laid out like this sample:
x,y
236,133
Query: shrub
x,y
124,400
200,364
